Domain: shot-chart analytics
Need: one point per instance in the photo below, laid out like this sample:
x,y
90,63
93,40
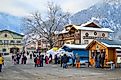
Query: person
x,y
102,58
18,58
12,58
97,60
1,62
22,60
50,58
65,60
15,59
35,61
77,61
61,62
46,59
41,60
27,53
73,60
38,61
56,59
25,59
30,55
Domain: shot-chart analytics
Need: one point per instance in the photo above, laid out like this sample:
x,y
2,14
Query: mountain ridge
x,y
105,13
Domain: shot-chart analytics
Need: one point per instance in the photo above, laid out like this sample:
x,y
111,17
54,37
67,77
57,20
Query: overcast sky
x,y
25,7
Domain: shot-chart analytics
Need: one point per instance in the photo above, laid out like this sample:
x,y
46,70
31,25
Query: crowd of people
x,y
39,59
64,60
19,57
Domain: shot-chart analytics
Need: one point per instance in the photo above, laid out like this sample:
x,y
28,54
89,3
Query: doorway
x,y
14,50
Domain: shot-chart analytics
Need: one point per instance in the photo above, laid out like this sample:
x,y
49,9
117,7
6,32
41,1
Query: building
x,y
31,46
108,47
37,45
82,34
10,42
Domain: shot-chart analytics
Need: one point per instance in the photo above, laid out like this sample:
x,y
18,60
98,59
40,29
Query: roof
x,y
74,46
61,32
89,22
87,28
110,43
93,29
107,43
14,34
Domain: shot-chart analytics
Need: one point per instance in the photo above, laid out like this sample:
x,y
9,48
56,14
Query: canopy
x,y
54,48
52,52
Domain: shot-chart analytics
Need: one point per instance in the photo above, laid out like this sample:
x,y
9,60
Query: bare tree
x,y
46,27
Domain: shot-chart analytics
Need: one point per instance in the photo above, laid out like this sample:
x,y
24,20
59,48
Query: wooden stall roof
x,y
106,42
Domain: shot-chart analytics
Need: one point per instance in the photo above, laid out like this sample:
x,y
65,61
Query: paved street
x,y
55,72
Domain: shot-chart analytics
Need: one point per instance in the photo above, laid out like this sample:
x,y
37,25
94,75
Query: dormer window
x,y
5,35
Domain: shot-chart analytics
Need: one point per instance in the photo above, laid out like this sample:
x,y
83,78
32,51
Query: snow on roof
x,y
113,46
74,46
91,21
61,32
93,29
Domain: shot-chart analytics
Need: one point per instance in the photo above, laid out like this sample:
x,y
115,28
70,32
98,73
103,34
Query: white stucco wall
x,y
91,33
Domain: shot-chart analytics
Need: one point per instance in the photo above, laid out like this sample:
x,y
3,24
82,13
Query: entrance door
x,y
14,50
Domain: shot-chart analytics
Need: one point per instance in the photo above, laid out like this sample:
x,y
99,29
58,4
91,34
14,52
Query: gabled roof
x,y
107,43
14,34
91,22
111,43
86,26
74,46
93,29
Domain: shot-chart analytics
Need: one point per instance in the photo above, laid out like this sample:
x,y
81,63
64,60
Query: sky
x,y
25,7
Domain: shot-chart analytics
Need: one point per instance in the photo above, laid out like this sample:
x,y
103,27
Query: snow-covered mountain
x,y
10,22
107,13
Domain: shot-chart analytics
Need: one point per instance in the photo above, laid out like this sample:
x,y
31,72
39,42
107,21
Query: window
x,y
103,34
5,35
6,41
3,50
1,41
18,42
76,41
86,34
95,33
86,41
12,41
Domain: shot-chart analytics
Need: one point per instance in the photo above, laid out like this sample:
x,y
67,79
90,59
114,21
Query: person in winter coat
x,y
73,60
38,61
50,58
1,62
64,60
56,59
35,61
25,59
41,60
102,58
46,60
78,61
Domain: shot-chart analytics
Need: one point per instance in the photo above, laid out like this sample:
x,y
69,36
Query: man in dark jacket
x,y
35,61
65,60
